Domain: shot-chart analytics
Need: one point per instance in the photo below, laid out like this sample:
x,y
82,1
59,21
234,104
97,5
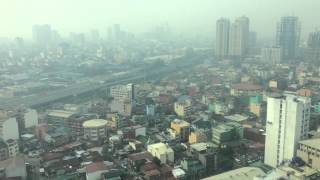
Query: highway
x,y
84,87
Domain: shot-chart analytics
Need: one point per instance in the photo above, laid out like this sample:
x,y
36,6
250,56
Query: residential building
x,y
179,173
245,89
193,167
122,107
75,122
3,151
162,151
207,154
288,118
114,174
135,158
95,129
181,128
255,109
9,128
183,107
122,92
273,84
13,147
309,151
304,92
255,105
95,170
123,99
197,136
239,37
218,107
223,133
291,172
13,168
26,118
133,132
58,118
150,107
271,55
222,37
116,120
31,118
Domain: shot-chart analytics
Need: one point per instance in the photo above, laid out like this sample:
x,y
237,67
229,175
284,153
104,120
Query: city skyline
x,y
137,16
160,90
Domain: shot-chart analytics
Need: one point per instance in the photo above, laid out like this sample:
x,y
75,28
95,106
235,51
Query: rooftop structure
x,y
61,113
94,123
238,174
162,151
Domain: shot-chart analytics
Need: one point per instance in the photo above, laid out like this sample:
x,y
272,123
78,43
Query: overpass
x,y
89,86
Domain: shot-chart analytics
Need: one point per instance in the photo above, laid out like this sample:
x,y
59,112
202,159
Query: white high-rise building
x,y
288,118
271,55
123,98
222,37
9,128
31,118
239,37
123,92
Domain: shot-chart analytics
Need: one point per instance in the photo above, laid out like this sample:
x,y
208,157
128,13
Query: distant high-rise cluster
x,y
232,39
115,33
44,35
312,52
288,36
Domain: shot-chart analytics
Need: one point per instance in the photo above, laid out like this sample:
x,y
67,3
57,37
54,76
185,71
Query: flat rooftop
x,y
314,143
245,173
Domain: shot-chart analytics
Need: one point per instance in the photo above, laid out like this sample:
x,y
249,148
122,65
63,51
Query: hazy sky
x,y
194,16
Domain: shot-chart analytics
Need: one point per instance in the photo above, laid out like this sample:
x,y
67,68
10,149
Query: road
x,y
87,86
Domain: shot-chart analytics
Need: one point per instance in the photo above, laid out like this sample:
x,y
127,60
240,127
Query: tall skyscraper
x,y
109,34
288,36
222,37
42,34
312,52
239,37
288,118
94,35
116,31
77,38
252,39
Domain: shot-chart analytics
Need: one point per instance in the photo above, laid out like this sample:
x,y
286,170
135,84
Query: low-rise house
x,y
227,132
193,168
309,151
13,168
95,170
13,147
162,151
3,151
